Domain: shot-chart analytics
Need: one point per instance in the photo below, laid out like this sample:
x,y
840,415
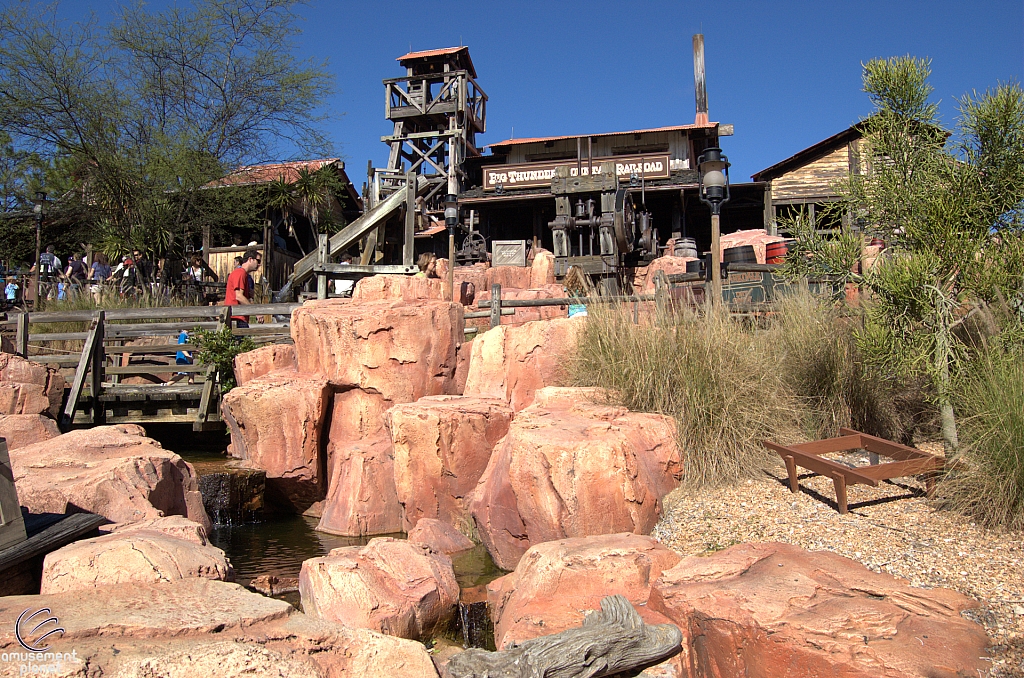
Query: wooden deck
x,y
120,364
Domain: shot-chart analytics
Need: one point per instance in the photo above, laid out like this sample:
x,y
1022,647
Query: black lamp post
x,y
451,220
40,211
713,174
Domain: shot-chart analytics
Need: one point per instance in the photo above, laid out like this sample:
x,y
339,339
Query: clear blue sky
x,y
786,74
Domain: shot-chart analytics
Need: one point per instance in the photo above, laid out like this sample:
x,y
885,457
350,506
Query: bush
x,y
986,478
219,348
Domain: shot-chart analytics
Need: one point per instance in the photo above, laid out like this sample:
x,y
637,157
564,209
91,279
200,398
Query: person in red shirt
x,y
239,291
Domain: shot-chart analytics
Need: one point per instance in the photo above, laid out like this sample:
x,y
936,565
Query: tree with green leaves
x,y
949,207
129,121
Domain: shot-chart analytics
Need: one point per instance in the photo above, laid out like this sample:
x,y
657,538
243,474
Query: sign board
x,y
537,174
508,253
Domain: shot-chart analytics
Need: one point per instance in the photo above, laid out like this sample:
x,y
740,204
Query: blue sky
x,y
786,74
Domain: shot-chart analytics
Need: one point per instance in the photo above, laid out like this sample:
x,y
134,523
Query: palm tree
x,y
280,196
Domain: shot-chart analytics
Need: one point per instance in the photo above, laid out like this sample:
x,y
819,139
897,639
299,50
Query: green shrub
x,y
219,348
986,479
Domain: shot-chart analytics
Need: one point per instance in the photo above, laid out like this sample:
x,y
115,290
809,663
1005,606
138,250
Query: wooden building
x,y
808,179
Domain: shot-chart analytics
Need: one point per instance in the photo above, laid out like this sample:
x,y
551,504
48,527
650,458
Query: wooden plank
x,y
824,467
62,360
158,349
886,448
900,469
22,338
565,301
204,403
495,304
322,258
99,362
84,362
60,534
153,313
12,525
827,445
142,368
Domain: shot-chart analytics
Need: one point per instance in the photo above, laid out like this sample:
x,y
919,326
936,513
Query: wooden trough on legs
x,y
907,461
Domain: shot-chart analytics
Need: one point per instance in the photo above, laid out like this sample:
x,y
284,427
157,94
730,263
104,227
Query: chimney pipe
x,y
700,91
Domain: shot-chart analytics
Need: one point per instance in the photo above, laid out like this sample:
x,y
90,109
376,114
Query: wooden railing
x,y
101,360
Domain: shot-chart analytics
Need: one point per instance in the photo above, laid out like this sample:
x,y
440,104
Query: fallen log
x,y
610,641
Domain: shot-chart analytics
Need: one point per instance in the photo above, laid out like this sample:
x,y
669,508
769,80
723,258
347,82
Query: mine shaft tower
x,y
437,110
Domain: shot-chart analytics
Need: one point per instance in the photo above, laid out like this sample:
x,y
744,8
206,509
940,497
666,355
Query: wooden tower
x,y
437,110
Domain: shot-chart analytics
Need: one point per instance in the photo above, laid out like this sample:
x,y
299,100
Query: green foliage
x,y
986,478
127,122
816,255
219,348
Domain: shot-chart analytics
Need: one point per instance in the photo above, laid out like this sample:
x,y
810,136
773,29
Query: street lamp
x,y
451,220
40,211
713,175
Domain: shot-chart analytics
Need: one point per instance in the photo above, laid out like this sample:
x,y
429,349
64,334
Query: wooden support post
x,y
22,338
323,247
794,479
85,363
12,524
450,282
409,239
839,480
206,242
495,305
661,296
98,365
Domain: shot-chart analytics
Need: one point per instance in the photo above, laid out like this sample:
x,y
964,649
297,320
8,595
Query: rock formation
x,y
25,429
574,470
442,445
29,388
760,610
263,360
557,582
390,585
114,471
440,537
275,422
362,498
144,555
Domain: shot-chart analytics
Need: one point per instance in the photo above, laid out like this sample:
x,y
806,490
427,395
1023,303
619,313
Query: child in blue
x,y
11,292
183,358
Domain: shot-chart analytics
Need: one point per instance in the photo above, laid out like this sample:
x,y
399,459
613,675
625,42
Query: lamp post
x,y
713,174
40,211
451,220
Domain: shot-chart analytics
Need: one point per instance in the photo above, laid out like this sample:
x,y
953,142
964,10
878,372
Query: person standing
x,y
76,272
240,287
49,267
11,292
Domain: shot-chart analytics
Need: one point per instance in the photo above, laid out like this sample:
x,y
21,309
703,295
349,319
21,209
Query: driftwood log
x,y
611,641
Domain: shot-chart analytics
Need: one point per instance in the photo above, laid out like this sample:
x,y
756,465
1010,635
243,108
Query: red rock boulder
x,y
25,429
174,526
514,362
511,277
29,388
275,423
557,582
130,556
263,360
397,288
361,498
114,471
542,269
765,610
442,445
390,585
574,471
397,349
440,537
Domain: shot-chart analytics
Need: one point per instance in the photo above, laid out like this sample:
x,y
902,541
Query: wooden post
x,y
794,479
495,305
22,338
839,480
409,240
98,359
716,259
660,295
12,524
321,260
206,242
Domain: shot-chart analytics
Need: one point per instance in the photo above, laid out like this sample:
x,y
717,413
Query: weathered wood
x,y
153,313
846,442
84,363
409,242
495,304
565,301
99,362
825,467
21,342
52,538
322,258
613,640
12,525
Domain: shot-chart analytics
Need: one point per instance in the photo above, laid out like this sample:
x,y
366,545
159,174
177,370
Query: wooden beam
x,y
409,239
99,363
824,467
84,363
21,341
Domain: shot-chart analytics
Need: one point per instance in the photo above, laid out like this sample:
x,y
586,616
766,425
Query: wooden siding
x,y
677,144
813,180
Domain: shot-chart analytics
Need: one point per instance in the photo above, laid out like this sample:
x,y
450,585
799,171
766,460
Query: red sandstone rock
x,y
29,388
439,536
557,582
390,585
25,429
764,610
513,362
130,556
511,277
441,446
174,526
362,498
756,237
357,414
402,351
275,423
114,471
668,264
398,287
542,270
201,627
572,472
462,355
263,360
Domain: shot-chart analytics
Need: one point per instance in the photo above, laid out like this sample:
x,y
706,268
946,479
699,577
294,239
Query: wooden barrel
x,y
695,266
775,252
744,254
686,247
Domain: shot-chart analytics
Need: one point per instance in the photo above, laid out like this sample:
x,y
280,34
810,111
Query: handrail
x,y
156,313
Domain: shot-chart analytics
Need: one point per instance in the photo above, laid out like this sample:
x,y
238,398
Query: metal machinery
x,y
597,226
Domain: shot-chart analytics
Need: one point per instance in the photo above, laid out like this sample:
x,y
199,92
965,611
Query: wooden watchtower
x,y
437,109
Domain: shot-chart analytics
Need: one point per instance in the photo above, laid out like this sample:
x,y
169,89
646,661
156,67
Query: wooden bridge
x,y
122,359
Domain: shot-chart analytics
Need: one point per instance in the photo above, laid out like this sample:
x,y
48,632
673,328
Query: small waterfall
x,y
233,496
474,620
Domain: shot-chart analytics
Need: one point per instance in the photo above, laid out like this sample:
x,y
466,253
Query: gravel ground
x,y
891,528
